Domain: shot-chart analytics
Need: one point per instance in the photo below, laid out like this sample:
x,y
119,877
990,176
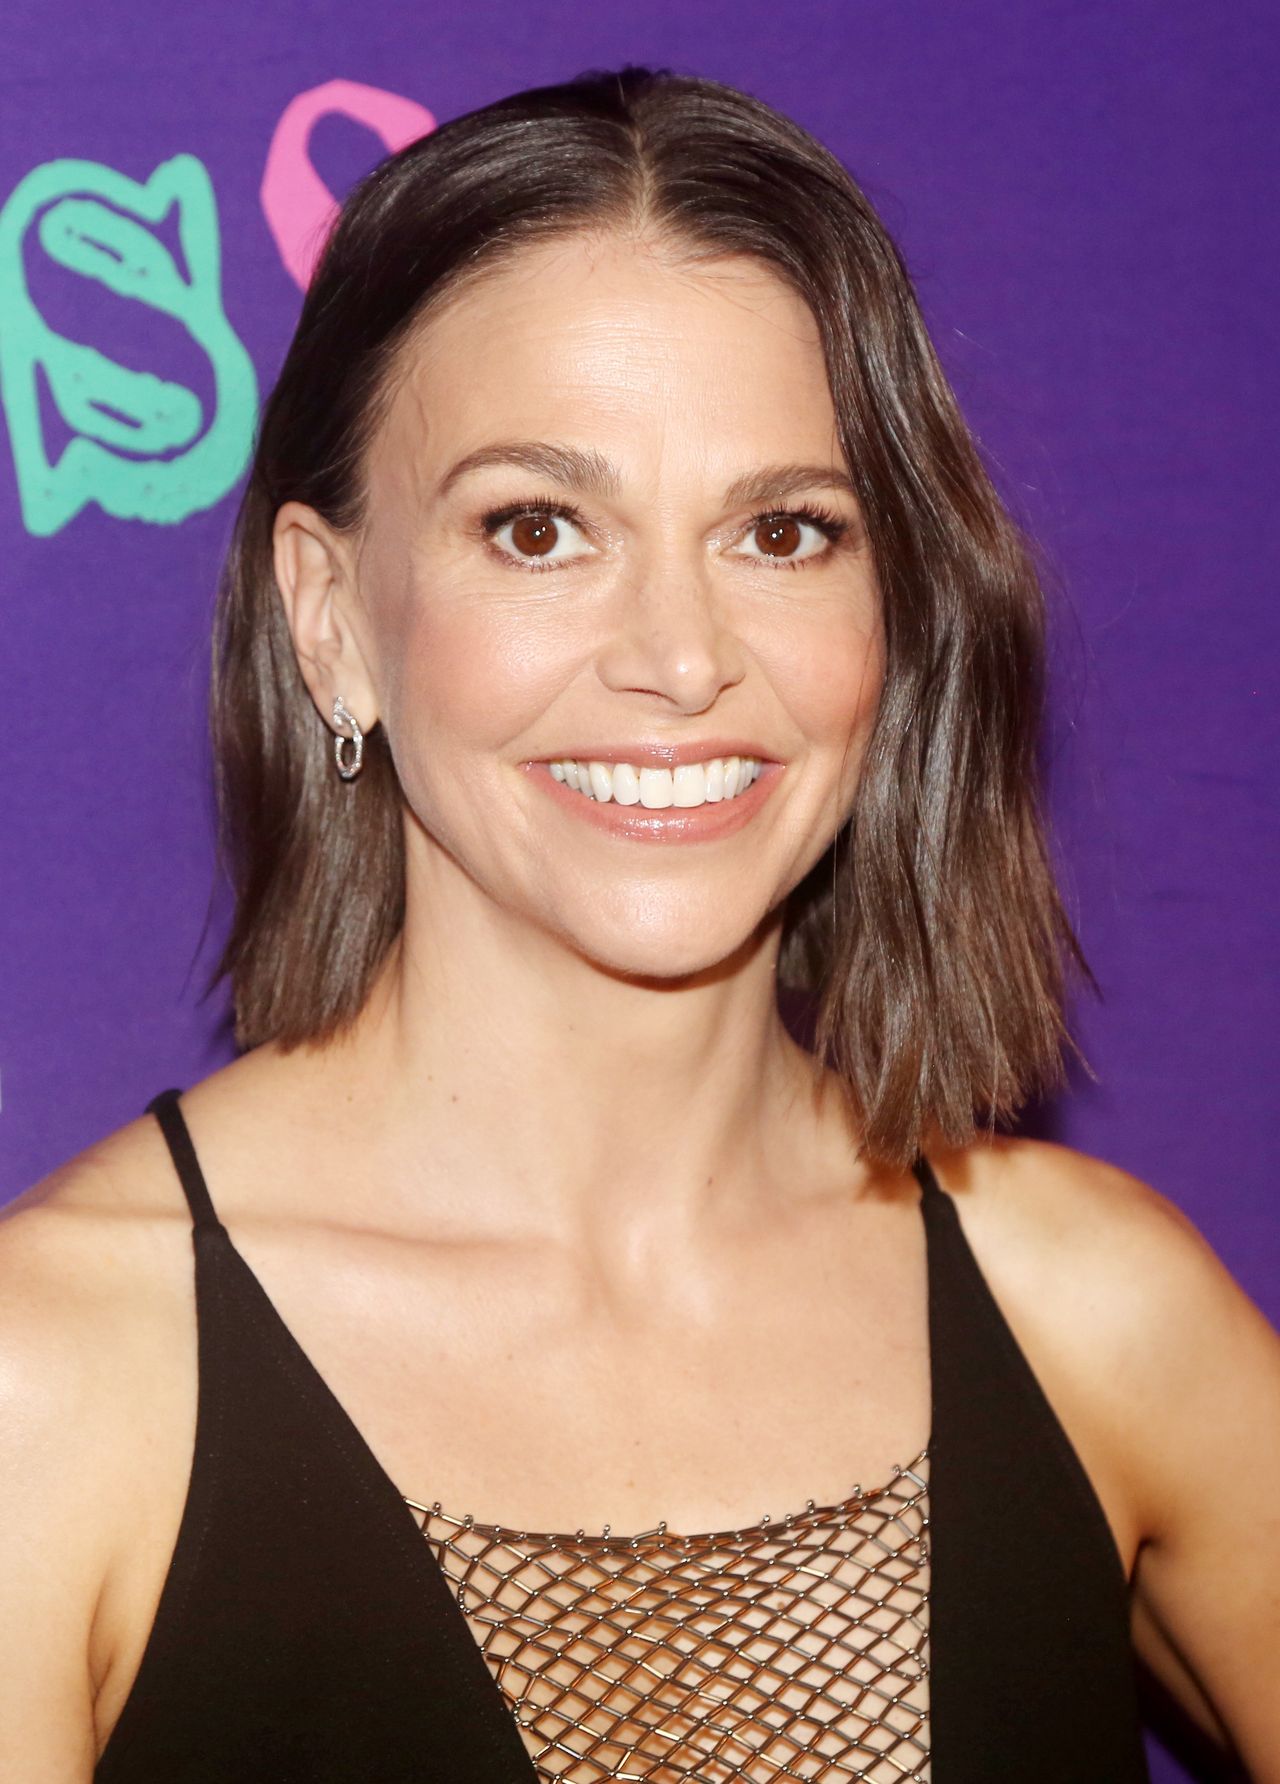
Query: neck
x,y
521,1088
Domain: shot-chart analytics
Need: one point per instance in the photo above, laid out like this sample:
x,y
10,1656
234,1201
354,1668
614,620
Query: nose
x,y
671,633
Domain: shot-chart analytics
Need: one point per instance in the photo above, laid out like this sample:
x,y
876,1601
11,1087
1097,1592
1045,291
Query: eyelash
x,y
826,522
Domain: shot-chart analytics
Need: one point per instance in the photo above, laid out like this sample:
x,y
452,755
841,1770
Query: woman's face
x,y
609,520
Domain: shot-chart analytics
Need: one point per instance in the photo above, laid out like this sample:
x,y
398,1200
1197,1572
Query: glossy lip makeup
x,y
670,824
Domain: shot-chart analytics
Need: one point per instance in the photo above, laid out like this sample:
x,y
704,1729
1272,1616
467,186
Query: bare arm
x,y
50,1534
1167,1377
1205,1458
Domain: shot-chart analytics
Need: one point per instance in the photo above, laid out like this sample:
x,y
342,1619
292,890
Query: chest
x,y
524,1386
793,1647
307,1534
510,1388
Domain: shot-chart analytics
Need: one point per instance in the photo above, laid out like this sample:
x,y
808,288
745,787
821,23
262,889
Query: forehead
x,y
623,343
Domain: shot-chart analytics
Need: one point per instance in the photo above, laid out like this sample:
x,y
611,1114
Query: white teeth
x,y
691,784
626,784
656,788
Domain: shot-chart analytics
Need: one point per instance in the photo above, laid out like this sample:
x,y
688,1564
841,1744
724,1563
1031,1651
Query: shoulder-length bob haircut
x,y
930,937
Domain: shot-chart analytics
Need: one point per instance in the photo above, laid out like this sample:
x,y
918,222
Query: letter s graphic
x,y
137,448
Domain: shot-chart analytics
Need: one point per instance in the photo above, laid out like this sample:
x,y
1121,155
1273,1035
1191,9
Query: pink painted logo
x,y
297,204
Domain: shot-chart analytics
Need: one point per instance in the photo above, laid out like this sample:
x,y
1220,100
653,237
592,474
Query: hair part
x,y
930,934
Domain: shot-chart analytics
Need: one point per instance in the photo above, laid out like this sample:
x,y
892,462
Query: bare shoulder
x,y
85,1254
95,1286
1130,1252
1036,1196
72,1244
63,1242
1125,1298
1167,1376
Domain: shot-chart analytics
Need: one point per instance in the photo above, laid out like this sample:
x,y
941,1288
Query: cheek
x,y
469,676
459,692
456,678
830,676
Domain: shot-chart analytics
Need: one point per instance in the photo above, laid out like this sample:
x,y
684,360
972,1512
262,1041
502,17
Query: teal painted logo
x,y
141,449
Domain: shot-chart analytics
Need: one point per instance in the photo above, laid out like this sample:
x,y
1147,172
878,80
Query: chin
x,y
666,958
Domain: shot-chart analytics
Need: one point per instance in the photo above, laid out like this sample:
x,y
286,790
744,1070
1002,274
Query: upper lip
x,y
662,755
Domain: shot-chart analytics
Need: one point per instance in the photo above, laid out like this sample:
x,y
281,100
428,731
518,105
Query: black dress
x,y
307,1634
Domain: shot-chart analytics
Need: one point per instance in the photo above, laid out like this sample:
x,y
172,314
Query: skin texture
x,y
560,1220
659,625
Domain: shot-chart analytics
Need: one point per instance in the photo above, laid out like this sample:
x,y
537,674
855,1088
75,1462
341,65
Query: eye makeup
x,y
833,527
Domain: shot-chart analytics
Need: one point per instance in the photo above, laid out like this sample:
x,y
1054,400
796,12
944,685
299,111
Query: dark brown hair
x,y
930,934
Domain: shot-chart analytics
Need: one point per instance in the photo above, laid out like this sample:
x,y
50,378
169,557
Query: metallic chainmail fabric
x,y
789,1649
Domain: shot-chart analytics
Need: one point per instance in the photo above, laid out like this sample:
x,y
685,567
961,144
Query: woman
x,y
619,621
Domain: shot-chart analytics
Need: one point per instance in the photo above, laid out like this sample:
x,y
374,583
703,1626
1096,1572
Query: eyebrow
x,y
588,471
593,474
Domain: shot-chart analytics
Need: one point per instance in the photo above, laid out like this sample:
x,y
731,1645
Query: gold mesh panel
x,y
796,1649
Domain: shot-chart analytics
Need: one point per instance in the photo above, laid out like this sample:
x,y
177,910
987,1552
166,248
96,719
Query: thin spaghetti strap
x,y
924,1176
167,1112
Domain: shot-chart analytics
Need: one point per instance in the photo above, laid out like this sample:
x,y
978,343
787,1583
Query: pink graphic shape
x,y
296,202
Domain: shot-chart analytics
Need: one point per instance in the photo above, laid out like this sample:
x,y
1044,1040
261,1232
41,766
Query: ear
x,y
314,568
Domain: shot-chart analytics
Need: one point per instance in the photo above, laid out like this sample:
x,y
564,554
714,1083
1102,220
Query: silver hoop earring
x,y
348,770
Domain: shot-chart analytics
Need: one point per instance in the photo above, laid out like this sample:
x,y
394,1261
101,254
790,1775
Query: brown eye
x,y
534,535
537,536
791,539
779,536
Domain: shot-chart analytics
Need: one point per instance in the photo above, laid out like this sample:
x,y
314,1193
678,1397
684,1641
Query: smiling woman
x,y
704,267
612,524
502,620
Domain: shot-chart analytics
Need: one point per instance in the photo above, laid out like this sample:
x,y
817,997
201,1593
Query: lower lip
x,y
672,823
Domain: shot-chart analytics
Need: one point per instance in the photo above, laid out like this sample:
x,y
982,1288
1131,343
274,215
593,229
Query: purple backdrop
x,y
1085,195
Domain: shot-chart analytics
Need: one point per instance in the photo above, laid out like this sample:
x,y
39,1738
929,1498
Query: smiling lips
x,y
687,785
691,801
